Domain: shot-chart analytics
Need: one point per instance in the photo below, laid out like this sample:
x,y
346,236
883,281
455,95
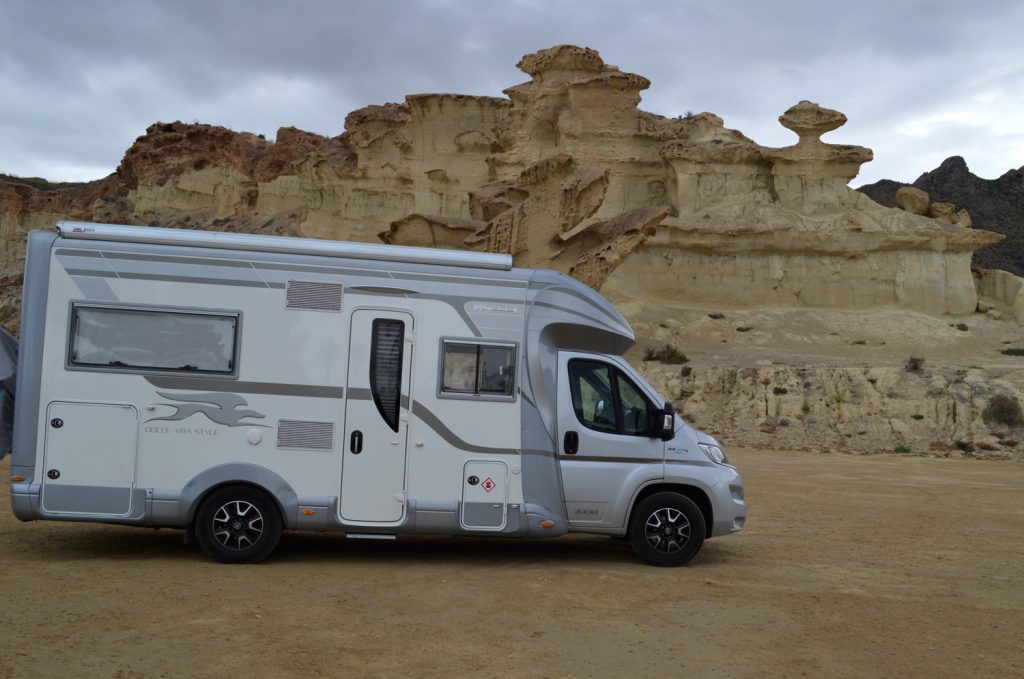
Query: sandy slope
x,y
849,566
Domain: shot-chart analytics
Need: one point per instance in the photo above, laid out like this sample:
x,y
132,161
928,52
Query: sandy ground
x,y
849,566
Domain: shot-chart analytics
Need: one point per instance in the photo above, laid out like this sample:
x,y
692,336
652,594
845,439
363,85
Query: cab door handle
x,y
355,442
571,443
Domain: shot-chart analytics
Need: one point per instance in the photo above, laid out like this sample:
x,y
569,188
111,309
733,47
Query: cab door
x,y
376,417
605,452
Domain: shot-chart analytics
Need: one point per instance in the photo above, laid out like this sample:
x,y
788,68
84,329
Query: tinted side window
x,y
386,351
634,408
459,368
495,370
604,399
590,384
152,339
478,369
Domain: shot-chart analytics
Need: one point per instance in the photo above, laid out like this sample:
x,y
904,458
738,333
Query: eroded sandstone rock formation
x,y
565,172
994,204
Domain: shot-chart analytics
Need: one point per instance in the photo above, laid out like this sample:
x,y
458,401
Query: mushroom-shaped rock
x,y
562,58
812,176
810,121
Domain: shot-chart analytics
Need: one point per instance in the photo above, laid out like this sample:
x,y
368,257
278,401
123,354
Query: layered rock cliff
x,y
565,172
662,214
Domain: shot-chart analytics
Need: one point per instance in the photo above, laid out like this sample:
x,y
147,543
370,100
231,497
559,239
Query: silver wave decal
x,y
220,408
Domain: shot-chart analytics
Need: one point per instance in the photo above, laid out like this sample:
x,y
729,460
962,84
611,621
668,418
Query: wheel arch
x,y
694,493
241,474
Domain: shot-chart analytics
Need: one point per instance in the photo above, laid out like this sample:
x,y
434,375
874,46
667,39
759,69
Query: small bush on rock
x,y
915,364
1003,410
666,354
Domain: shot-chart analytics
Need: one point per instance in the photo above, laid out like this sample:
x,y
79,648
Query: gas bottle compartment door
x,y
484,495
89,458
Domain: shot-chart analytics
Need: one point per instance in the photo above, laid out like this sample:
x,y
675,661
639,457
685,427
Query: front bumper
x,y
730,505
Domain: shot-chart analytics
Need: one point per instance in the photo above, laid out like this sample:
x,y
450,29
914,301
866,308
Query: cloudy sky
x,y
919,80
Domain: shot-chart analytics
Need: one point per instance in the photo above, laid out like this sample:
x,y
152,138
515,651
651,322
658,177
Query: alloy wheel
x,y
238,525
667,530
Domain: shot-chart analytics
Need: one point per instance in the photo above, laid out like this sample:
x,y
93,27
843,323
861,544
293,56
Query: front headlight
x,y
714,453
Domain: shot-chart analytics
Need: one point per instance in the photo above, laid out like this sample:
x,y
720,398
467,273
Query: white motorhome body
x,y
236,385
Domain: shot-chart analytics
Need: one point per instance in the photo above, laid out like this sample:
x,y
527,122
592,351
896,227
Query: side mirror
x,y
664,425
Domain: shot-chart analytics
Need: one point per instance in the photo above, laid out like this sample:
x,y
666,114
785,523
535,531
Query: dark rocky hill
x,y
995,205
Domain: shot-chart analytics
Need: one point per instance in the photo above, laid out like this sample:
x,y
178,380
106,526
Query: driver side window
x,y
635,420
605,400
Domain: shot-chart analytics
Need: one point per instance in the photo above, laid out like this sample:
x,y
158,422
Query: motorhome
x,y
236,386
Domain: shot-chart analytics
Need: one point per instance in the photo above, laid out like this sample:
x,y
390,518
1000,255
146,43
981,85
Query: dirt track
x,y
849,566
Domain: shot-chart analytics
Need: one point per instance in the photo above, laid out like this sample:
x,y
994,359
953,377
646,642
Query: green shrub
x,y
666,354
901,449
1013,351
918,417
1003,410
914,364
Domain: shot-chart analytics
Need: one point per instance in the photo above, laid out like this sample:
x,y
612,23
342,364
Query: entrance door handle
x,y
355,442
571,443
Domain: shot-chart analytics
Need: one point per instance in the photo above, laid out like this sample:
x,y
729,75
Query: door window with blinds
x,y
386,354
477,370
141,339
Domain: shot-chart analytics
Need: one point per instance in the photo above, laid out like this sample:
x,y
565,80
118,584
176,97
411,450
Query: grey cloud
x,y
82,80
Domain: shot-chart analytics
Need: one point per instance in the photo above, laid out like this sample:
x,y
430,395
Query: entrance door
x,y
604,419
376,417
89,458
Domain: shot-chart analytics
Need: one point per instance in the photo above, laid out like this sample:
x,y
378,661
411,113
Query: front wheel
x,y
667,529
238,524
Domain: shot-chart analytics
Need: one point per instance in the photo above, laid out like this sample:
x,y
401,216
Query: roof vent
x,y
314,295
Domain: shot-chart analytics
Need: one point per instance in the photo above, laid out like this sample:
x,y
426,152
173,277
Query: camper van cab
x,y
240,385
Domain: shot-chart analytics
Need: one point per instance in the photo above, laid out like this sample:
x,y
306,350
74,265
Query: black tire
x,y
238,524
667,529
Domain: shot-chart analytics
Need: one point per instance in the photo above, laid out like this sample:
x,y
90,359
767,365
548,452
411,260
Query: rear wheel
x,y
238,524
667,529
